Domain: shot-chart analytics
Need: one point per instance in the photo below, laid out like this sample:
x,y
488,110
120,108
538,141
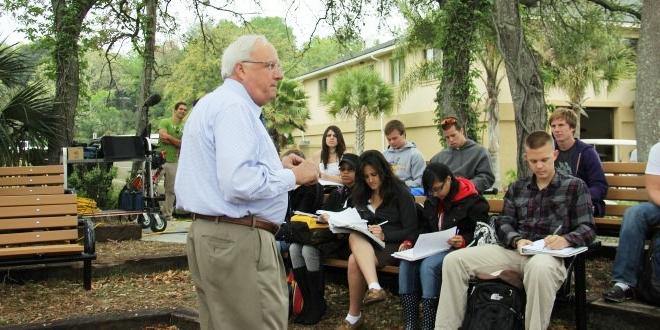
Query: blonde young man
x,y
534,208
232,181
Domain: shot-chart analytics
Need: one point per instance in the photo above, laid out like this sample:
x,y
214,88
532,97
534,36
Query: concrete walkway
x,y
175,232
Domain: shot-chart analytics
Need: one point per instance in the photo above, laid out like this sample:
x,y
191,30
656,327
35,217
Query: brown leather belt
x,y
250,221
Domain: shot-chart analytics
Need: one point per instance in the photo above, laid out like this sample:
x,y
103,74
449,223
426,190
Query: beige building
x,y
610,114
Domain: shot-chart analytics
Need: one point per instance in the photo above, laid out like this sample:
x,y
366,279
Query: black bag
x,y
299,232
494,304
648,289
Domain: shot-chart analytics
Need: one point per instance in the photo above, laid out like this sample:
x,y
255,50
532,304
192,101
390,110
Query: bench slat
x,y
624,168
41,222
39,210
38,236
627,194
31,170
31,180
43,190
37,200
42,249
339,263
633,181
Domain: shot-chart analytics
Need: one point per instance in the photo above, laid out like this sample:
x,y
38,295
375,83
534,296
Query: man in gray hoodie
x,y
404,157
463,156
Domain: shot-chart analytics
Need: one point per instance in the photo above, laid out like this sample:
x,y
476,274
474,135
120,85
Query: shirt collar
x,y
555,182
237,87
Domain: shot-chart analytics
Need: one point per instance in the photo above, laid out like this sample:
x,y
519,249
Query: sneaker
x,y
618,295
345,325
373,296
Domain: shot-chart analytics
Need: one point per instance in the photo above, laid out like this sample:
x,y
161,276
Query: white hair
x,y
239,50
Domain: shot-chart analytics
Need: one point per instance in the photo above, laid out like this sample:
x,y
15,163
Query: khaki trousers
x,y
167,206
543,275
238,275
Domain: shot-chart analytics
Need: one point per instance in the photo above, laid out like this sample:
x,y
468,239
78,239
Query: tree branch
x,y
616,7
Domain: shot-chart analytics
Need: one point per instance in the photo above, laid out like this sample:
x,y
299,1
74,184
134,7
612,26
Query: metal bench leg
x,y
581,317
87,274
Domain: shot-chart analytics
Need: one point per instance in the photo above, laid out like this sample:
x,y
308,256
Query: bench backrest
x,y
32,180
36,216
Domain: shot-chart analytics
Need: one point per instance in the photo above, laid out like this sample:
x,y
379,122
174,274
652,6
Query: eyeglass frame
x,y
270,65
442,186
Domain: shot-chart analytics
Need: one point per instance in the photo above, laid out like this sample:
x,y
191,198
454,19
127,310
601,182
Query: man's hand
x,y
291,160
306,172
556,242
521,243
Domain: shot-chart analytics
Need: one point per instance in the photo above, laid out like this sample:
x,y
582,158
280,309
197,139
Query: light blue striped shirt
x,y
228,164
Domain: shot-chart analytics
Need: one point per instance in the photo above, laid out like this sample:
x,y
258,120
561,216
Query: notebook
x,y
427,245
538,247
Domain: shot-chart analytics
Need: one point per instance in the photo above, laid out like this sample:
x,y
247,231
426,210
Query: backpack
x,y
295,296
484,233
648,288
494,304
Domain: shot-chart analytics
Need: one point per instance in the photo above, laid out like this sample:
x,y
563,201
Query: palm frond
x,y
419,74
13,69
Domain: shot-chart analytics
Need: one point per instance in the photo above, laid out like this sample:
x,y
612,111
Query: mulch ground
x,y
60,299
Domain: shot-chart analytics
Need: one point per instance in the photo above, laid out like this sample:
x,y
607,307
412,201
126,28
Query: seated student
x,y
332,149
406,160
578,158
548,205
306,259
637,222
452,202
464,157
386,203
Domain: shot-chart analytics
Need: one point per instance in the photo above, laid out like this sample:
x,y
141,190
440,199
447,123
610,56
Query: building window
x,y
397,70
323,86
431,54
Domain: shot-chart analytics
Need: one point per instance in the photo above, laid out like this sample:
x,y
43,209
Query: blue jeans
x,y
427,271
637,221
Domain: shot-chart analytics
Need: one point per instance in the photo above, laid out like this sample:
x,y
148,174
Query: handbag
x,y
306,230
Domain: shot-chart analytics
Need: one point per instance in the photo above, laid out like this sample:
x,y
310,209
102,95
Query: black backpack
x,y
648,289
494,304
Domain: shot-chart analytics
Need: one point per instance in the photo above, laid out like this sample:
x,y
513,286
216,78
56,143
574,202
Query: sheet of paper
x,y
329,183
349,220
538,247
428,245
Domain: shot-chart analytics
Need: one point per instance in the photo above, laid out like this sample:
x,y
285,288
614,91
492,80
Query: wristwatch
x,y
514,242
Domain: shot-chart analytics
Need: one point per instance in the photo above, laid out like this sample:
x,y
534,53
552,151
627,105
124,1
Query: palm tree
x,y
588,52
287,112
27,116
359,93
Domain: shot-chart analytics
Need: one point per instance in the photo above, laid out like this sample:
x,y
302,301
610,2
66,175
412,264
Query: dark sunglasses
x,y
445,123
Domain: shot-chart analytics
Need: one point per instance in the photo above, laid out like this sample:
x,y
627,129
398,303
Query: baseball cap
x,y
351,159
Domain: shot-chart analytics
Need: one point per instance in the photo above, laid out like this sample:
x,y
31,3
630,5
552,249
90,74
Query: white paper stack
x,y
428,245
349,220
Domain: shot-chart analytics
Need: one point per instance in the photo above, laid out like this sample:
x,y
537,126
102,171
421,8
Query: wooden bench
x,y
39,222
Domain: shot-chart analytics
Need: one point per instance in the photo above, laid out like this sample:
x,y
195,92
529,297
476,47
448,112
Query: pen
x,y
382,223
557,230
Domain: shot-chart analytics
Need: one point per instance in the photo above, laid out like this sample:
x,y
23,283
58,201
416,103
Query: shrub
x,y
95,181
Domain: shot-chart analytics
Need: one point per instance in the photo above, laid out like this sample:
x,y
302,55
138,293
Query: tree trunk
x,y
523,74
360,120
149,61
148,57
453,94
491,66
67,25
647,98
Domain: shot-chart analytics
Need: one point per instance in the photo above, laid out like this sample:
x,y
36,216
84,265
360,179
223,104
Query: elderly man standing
x,y
232,181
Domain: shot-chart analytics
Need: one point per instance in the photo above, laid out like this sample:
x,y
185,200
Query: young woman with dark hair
x,y
451,202
332,149
389,208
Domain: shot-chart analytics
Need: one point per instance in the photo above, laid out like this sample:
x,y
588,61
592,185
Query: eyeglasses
x,y
448,121
272,66
436,189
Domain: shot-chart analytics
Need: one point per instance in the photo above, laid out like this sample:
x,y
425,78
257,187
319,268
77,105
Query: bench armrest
x,y
89,238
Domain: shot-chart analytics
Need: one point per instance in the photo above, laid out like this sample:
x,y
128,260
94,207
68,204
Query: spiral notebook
x,y
538,247
427,245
